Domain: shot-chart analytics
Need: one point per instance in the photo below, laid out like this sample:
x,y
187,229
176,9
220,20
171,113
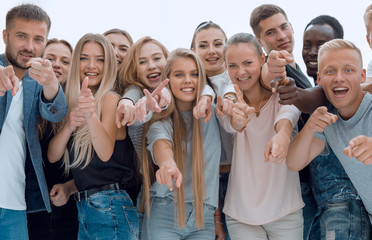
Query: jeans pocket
x,y
99,202
132,219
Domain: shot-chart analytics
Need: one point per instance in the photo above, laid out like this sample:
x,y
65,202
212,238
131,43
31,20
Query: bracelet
x,y
231,98
124,98
219,222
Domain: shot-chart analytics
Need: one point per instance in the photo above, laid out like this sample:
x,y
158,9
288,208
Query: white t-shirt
x,y
13,156
369,69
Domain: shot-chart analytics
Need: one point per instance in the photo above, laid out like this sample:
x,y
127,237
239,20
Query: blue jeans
x,y
224,178
107,215
310,212
344,220
161,223
13,224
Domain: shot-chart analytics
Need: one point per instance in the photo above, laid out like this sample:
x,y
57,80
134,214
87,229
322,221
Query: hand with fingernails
x,y
76,119
86,100
125,113
287,90
41,70
224,106
360,147
203,109
276,62
320,119
168,172
154,101
277,147
8,80
241,112
59,194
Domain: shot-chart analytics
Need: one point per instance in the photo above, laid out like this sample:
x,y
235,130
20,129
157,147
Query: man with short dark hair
x,y
275,34
28,89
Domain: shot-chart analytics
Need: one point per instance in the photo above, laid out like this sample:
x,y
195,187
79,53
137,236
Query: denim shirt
x,y
37,194
329,181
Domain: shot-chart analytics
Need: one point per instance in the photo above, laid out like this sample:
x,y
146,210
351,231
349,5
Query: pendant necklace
x,y
259,106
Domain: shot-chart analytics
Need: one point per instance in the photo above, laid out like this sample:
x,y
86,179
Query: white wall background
x,y
172,22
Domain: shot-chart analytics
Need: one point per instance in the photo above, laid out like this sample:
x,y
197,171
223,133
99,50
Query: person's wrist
x,y
230,97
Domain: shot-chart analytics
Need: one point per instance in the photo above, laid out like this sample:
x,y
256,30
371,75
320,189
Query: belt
x,y
79,196
225,168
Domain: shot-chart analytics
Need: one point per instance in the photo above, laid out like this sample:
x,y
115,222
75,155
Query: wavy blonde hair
x,y
82,144
128,72
180,136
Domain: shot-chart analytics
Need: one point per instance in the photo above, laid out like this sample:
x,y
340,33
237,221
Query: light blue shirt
x,y
337,137
212,154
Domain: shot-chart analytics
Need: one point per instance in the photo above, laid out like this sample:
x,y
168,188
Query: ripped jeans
x,y
344,220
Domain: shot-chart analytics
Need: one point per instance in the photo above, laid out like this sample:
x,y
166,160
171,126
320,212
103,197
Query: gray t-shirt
x,y
337,137
212,154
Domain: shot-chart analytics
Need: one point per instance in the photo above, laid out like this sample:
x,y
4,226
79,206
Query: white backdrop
x,y
172,22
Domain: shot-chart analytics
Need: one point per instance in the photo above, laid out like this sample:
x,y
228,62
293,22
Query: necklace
x,y
259,106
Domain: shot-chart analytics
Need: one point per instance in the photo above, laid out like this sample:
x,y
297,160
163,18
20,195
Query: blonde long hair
x,y
180,136
128,73
82,144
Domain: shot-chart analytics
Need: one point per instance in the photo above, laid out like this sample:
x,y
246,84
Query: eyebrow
x,y
213,40
84,54
152,55
123,45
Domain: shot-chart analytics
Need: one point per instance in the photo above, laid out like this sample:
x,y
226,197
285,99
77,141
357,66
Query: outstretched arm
x,y
276,149
168,170
360,147
305,146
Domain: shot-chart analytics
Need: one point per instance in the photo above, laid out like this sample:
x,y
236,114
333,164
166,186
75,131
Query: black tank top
x,y
119,169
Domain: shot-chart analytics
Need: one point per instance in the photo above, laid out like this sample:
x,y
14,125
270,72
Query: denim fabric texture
x,y
13,224
329,181
224,178
161,222
345,220
310,211
107,215
37,194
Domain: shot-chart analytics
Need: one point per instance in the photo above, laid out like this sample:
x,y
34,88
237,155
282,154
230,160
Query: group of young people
x,y
115,139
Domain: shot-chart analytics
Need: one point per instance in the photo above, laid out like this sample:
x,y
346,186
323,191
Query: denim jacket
x,y
37,194
329,181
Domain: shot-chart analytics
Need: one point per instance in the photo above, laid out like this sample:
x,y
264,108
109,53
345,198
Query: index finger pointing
x,y
46,63
160,87
286,55
239,95
357,141
33,61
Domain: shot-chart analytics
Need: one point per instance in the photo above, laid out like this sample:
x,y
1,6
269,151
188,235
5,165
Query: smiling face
x,y
340,74
209,45
92,60
276,34
183,80
314,37
60,57
151,62
244,65
121,45
24,40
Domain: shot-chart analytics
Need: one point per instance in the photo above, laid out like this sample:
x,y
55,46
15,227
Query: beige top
x,y
259,192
